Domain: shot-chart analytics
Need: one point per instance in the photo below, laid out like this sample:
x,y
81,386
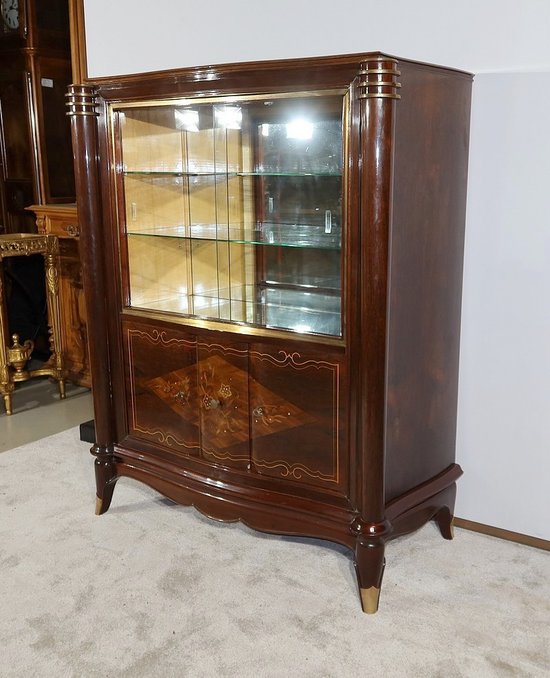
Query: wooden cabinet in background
x,y
62,221
36,164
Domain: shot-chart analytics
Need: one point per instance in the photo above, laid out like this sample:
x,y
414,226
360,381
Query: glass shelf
x,y
224,175
295,310
267,234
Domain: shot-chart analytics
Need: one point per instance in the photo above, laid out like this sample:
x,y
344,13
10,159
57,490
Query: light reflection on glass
x,y
187,119
229,117
299,129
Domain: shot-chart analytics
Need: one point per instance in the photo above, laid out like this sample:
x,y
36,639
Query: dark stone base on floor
x,y
87,432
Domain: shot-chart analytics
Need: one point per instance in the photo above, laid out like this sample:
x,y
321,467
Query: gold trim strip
x,y
367,71
81,102
162,438
295,470
251,332
226,456
291,359
381,83
193,101
81,99
380,58
379,96
73,113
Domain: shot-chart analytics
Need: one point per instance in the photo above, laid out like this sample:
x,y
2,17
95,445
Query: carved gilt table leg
x,y
14,357
51,262
6,385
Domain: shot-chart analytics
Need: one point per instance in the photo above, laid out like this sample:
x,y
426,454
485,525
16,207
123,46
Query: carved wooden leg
x,y
6,383
61,385
52,271
369,566
444,517
444,520
7,403
105,477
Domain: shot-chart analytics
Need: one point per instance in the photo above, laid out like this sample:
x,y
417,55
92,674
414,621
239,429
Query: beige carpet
x,y
154,589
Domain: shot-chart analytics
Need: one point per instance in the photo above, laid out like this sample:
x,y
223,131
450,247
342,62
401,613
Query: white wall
x,y
126,36
504,409
504,401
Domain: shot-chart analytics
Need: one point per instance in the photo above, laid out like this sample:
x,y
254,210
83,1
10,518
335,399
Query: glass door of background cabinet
x,y
233,208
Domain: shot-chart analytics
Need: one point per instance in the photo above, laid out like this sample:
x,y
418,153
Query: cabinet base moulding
x,y
290,516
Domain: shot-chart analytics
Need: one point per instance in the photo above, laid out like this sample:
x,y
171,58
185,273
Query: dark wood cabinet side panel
x,y
16,154
427,240
52,78
16,139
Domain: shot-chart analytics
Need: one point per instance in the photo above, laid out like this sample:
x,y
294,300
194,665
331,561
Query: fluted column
x,y
81,101
378,91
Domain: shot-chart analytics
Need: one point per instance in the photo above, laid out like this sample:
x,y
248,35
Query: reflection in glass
x,y
229,117
187,119
233,211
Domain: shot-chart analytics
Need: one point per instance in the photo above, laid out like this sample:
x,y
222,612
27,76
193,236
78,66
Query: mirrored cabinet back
x,y
273,265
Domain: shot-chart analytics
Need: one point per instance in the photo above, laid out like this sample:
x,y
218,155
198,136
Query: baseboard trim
x,y
502,534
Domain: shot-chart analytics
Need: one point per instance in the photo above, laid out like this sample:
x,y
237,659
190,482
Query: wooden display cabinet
x,y
62,221
273,262
36,164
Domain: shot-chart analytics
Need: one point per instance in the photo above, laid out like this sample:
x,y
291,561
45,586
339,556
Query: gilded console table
x,y
14,356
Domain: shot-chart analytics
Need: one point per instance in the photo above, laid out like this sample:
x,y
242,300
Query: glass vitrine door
x,y
233,209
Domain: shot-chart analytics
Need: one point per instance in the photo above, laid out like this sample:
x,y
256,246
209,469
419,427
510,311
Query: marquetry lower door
x,y
247,407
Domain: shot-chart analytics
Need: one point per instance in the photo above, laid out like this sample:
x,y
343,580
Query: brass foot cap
x,y
98,505
369,599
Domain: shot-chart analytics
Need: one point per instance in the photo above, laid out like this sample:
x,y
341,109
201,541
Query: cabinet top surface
x,y
213,72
